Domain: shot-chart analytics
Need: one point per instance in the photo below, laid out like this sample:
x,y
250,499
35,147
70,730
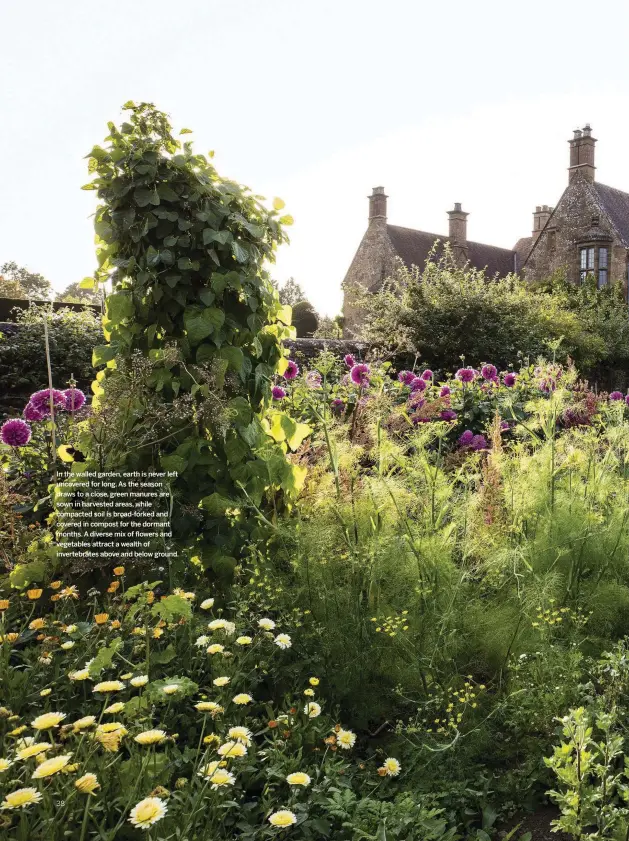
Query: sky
x,y
315,102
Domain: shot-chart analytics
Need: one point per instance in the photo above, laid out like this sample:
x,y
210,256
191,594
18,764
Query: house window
x,y
602,267
587,262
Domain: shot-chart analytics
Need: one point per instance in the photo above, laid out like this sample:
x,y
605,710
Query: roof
x,y
414,247
615,203
523,248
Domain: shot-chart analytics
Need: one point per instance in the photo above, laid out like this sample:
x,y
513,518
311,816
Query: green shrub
x,y
72,336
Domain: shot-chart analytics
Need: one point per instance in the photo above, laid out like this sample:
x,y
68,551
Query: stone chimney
x,y
378,204
540,218
582,154
457,232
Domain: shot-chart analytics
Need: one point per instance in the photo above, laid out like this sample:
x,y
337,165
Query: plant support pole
x,y
52,402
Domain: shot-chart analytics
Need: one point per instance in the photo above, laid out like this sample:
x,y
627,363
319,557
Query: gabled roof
x,y
413,247
615,203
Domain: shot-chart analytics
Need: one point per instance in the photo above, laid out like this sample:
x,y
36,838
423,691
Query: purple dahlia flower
x,y
338,405
75,399
313,379
41,400
406,377
616,395
479,442
488,372
349,360
466,375
418,384
32,413
466,438
292,370
627,400
445,391
448,415
15,433
416,401
360,374
278,392
504,425
427,375
510,379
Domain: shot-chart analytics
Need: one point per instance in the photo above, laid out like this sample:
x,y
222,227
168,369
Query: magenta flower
x,y
466,375
292,370
479,442
32,413
509,380
75,399
616,395
349,360
448,415
41,400
278,392
466,438
418,384
15,433
427,375
488,372
627,400
338,405
360,374
416,401
406,377
313,379
445,391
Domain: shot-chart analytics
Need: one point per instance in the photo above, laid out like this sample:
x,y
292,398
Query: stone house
x,y
587,232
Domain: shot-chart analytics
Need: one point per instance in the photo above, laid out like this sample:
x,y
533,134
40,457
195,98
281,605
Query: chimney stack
x,y
582,154
378,204
458,225
457,232
540,218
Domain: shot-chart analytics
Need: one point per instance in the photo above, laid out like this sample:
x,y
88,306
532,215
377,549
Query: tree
x,y
191,303
329,328
14,278
75,294
305,319
291,293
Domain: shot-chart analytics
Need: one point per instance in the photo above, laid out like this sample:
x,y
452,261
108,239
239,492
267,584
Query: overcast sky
x,y
316,102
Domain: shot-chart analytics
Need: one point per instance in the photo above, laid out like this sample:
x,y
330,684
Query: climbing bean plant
x,y
192,305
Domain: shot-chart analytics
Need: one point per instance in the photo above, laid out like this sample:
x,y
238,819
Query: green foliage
x,y
447,312
291,292
305,319
72,336
194,331
77,293
18,282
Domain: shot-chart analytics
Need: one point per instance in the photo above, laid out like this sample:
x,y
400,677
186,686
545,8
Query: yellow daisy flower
x,y
232,750
20,798
298,779
242,699
150,737
87,784
108,686
147,812
51,766
282,818
47,721
33,750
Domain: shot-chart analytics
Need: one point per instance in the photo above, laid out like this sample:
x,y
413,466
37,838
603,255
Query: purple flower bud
x,y
448,415
292,370
504,425
41,400
427,375
466,438
616,395
15,433
466,375
278,392
509,380
360,374
418,384
349,360
75,399
479,442
32,413
338,405
406,377
445,391
488,372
